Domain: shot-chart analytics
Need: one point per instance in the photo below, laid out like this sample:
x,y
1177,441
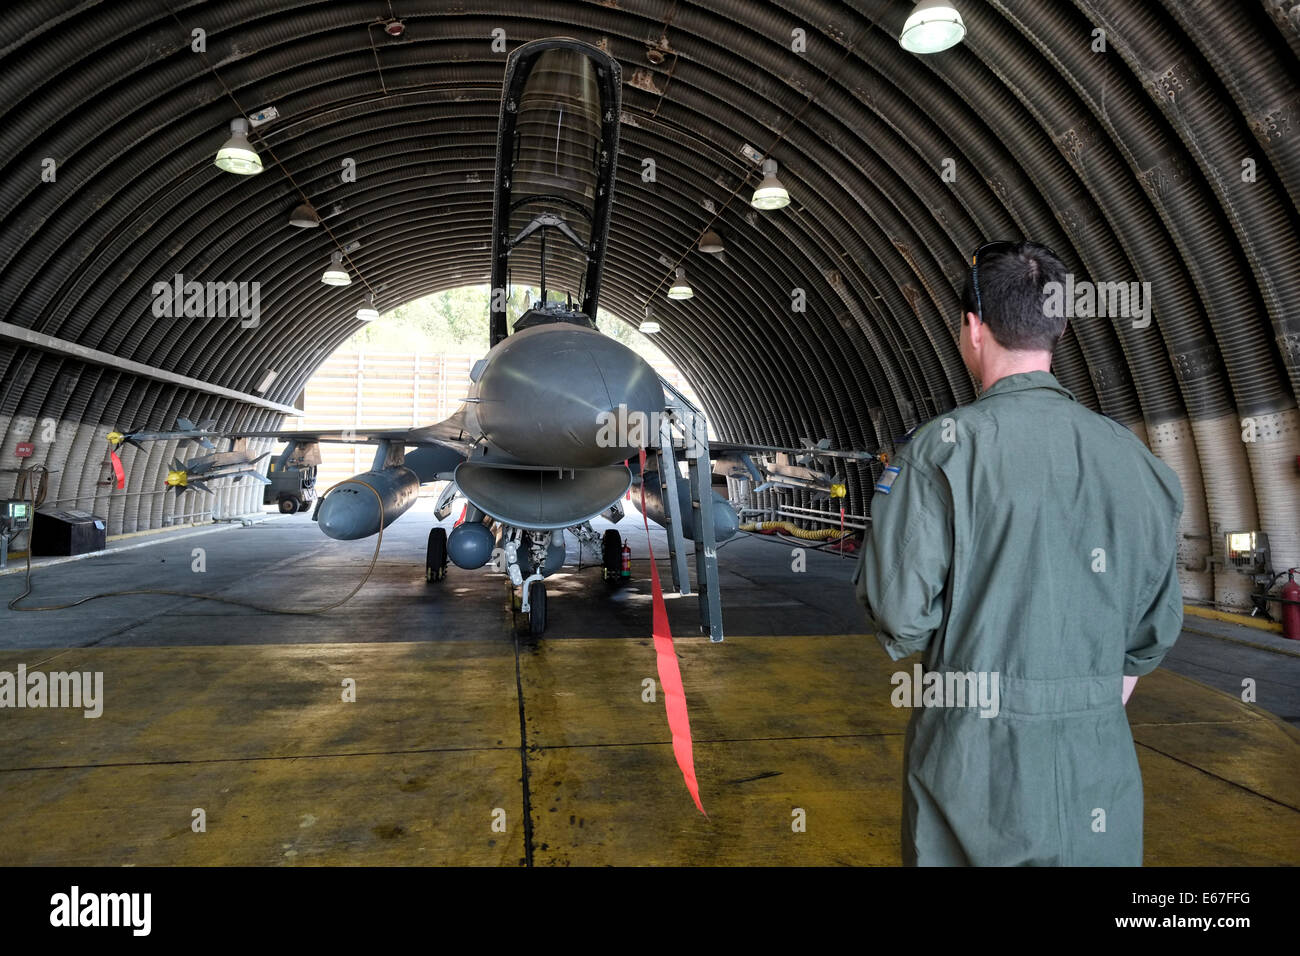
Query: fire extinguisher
x,y
1291,612
627,562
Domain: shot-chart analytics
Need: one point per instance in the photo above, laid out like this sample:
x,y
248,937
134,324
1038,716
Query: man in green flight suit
x,y
1029,543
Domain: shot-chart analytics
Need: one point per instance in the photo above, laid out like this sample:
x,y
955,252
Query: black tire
x,y
611,557
435,557
537,608
304,506
288,505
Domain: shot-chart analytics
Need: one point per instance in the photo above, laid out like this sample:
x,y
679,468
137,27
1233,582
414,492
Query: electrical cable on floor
x,y
206,597
828,546
776,537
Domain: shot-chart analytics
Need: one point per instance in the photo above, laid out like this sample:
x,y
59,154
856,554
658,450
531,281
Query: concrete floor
x,y
470,745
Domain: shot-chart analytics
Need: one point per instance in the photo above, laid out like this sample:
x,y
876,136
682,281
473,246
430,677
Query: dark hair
x,y
1013,299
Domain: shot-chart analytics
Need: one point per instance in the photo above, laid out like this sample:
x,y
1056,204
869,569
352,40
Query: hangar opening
x,y
412,365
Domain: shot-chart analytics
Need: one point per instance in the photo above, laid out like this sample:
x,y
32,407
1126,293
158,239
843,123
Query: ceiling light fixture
x,y
368,312
304,217
650,324
711,242
770,194
238,155
680,289
932,27
336,274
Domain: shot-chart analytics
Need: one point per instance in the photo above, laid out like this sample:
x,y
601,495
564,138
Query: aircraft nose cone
x,y
545,396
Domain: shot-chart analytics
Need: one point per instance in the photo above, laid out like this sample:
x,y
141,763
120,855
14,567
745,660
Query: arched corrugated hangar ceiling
x,y
1171,156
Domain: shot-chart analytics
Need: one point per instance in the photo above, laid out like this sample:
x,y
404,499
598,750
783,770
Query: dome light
x,y
650,324
368,312
304,217
238,155
770,194
932,27
336,274
680,289
711,242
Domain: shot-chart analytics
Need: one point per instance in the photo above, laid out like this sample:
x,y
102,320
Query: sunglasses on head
x,y
1000,245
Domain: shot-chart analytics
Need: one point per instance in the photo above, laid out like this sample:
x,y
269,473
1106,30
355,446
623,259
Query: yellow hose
x,y
824,534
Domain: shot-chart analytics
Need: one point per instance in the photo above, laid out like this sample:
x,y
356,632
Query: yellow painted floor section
x,y
425,767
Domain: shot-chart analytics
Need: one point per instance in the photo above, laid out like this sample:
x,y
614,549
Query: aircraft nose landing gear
x,y
533,603
536,608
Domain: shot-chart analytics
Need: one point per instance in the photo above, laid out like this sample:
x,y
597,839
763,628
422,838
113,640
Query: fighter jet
x,y
559,417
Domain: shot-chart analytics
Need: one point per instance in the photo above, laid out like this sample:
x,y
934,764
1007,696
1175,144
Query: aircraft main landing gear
x,y
611,558
435,557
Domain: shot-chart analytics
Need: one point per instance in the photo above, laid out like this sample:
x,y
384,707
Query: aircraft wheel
x,y
537,608
288,506
435,558
611,555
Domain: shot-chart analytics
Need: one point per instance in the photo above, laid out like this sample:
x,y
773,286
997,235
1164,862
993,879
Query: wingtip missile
x,y
118,439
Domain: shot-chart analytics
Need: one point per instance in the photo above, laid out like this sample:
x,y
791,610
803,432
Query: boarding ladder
x,y
684,433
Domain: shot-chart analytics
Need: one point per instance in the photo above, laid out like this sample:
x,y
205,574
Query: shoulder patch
x,y
887,478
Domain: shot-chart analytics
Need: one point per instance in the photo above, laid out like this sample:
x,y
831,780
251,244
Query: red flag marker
x,y
670,675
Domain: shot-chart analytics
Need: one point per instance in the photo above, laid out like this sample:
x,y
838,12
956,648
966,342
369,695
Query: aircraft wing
x,y
449,432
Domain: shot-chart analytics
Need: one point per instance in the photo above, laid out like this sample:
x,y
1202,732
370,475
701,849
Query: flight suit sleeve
x,y
1162,619
901,573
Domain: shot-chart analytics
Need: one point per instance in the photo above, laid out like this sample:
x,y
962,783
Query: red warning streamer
x,y
118,473
670,675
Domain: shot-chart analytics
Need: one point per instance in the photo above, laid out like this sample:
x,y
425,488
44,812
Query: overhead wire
x,y
271,152
812,97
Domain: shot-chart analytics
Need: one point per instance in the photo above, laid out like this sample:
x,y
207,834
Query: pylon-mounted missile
x,y
198,473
